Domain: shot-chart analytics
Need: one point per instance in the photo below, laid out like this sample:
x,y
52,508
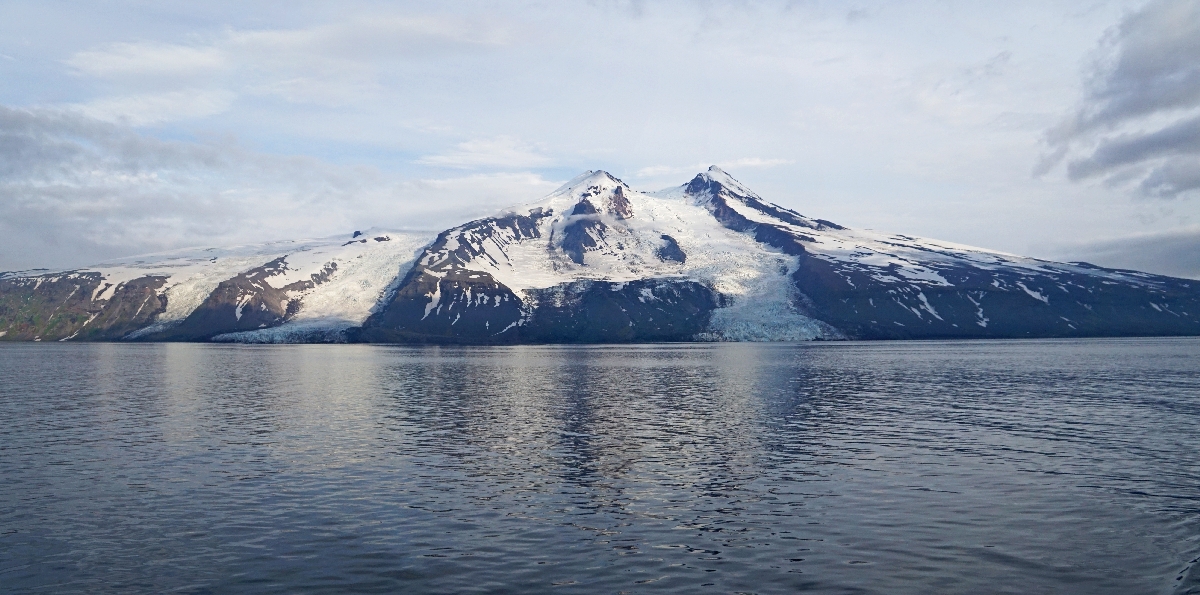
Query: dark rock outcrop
x,y
57,307
607,312
473,308
670,250
458,306
988,303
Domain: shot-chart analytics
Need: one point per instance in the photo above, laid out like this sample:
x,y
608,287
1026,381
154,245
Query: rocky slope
x,y
597,261
276,292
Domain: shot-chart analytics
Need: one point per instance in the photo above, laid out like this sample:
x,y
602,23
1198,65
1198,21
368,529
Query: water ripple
x,y
999,467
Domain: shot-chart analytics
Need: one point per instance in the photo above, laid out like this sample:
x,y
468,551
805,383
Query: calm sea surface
x,y
927,467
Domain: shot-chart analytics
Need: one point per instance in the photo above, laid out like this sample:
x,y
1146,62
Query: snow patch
x,y
1033,294
925,305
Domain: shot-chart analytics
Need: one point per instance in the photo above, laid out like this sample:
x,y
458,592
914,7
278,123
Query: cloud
x,y
502,151
75,190
70,179
754,162
1139,121
1175,253
445,202
141,110
744,162
1179,138
867,121
147,59
373,37
330,64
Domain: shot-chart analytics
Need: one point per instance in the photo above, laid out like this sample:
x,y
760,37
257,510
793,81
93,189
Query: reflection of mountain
x,y
597,261
615,436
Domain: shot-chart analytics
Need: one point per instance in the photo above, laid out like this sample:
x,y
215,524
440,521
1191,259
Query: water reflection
x,y
894,468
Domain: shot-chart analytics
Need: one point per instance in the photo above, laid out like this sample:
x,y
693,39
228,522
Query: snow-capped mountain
x,y
277,292
596,261
712,260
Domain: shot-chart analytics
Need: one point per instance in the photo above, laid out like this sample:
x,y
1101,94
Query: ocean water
x,y
900,467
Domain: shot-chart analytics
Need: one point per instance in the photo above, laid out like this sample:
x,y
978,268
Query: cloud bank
x,y
71,184
1175,253
1138,124
216,122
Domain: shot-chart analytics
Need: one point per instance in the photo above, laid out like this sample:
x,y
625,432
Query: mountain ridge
x,y
597,261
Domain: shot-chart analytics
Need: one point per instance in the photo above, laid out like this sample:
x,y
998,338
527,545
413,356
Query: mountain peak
x,y
592,178
719,176
597,190
715,179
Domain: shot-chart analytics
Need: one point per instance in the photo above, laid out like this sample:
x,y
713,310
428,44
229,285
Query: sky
x,y
1067,130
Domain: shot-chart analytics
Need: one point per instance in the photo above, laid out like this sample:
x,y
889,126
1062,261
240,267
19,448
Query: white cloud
x,y
371,37
654,171
501,152
439,203
329,65
148,59
141,110
754,162
75,190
